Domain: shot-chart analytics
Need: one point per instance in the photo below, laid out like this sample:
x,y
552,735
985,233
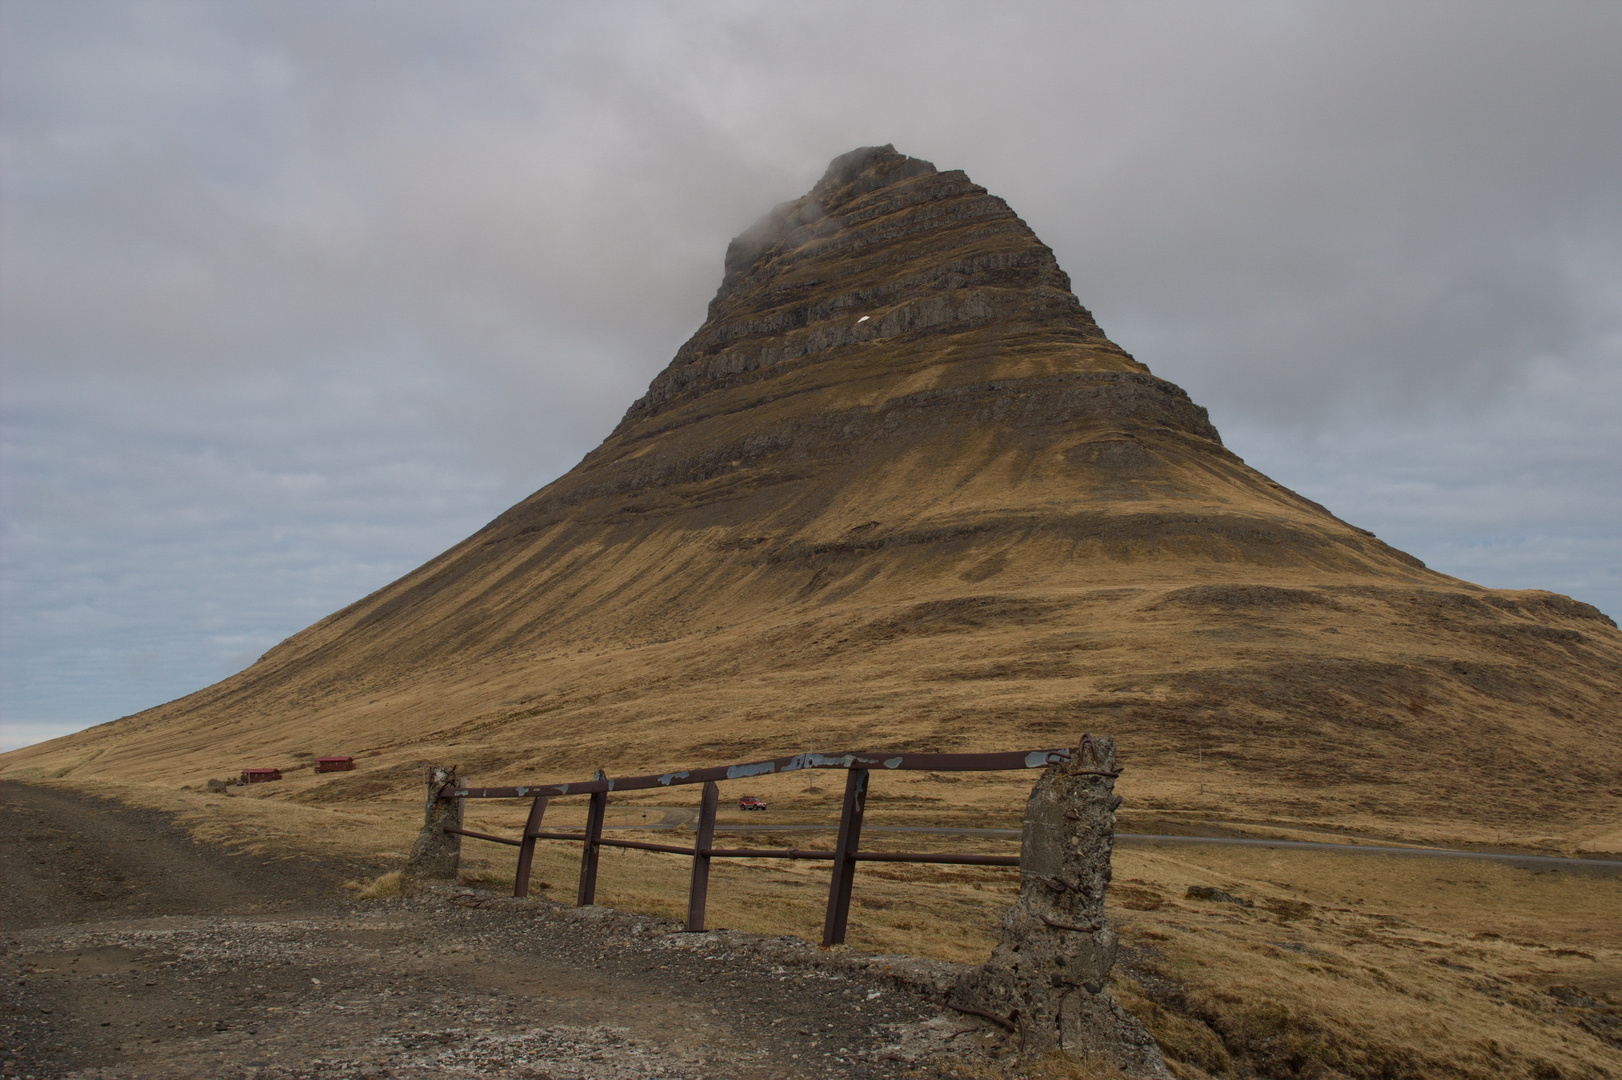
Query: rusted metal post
x,y
699,891
850,839
594,833
437,854
526,847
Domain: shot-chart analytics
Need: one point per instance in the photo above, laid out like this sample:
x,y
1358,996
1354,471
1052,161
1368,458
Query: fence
x,y
847,849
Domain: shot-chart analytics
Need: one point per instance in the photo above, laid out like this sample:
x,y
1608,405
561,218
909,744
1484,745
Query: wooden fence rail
x,y
847,849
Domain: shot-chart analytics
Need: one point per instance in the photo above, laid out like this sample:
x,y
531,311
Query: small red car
x,y
749,802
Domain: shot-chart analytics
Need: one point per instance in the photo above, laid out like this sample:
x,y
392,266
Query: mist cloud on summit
x,y
294,295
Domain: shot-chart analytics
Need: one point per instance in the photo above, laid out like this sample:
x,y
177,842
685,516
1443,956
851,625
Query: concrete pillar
x,y
1046,978
437,853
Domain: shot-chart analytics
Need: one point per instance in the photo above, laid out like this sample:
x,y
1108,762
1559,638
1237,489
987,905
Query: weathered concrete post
x,y
437,853
1046,978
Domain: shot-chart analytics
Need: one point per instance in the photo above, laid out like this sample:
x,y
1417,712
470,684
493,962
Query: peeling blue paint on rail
x,y
928,762
737,772
809,761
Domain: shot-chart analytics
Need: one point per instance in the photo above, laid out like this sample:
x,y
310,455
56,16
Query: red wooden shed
x,y
334,764
257,776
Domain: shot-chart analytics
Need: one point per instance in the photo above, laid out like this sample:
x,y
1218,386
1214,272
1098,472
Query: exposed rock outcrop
x,y
1047,978
437,853
860,259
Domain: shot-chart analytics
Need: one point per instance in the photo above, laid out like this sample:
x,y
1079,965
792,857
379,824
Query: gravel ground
x,y
302,982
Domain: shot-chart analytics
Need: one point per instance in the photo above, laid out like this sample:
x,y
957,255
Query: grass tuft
x,y
387,886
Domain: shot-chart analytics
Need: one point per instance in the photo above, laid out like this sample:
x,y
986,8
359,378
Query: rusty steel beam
x,y
481,836
698,890
768,853
933,857
995,762
844,875
595,812
637,845
940,858
526,847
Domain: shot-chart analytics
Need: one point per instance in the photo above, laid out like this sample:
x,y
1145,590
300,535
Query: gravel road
x,y
130,951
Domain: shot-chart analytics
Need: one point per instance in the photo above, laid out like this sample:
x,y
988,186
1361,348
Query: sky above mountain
x,y
293,295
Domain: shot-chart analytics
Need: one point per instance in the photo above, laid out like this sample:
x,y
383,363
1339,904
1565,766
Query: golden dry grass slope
x,y
899,490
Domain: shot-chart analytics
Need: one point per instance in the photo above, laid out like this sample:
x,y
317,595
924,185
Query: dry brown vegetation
x,y
1351,718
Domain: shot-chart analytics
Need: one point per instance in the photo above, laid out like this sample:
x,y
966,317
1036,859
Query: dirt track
x,y
131,951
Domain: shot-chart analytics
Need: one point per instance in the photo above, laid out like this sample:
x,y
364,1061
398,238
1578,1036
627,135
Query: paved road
x,y
1601,866
1553,862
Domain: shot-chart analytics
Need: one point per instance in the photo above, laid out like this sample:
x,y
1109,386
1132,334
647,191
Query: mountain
x,y
899,490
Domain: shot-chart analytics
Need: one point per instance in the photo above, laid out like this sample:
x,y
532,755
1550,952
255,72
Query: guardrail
x,y
847,850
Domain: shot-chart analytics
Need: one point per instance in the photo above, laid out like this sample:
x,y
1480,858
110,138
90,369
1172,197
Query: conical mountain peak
x,y
900,490
865,169
884,249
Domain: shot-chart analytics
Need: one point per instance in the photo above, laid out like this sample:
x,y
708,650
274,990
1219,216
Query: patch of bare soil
x,y
199,963
69,857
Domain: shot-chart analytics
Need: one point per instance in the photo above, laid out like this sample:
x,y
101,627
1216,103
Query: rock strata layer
x,y
884,248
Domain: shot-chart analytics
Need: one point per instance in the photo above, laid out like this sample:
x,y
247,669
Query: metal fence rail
x,y
847,850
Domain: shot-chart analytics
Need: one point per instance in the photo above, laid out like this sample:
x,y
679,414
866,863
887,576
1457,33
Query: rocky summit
x,y
899,490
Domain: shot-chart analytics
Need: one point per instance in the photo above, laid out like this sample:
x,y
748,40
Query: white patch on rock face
x,y
864,318
926,1040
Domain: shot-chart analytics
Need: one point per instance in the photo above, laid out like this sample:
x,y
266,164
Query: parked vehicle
x,y
749,802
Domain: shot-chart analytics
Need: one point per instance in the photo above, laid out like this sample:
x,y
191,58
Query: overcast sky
x,y
297,295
